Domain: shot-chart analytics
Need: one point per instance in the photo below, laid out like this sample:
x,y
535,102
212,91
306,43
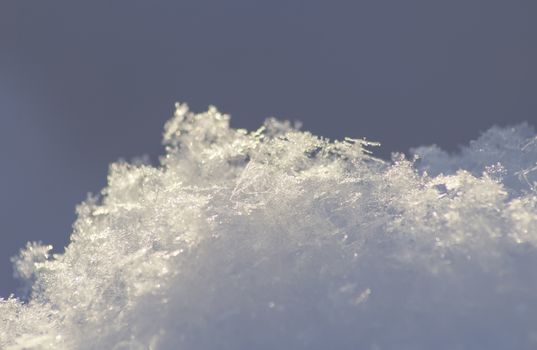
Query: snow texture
x,y
278,239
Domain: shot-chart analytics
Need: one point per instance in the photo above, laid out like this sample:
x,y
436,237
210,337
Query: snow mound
x,y
278,239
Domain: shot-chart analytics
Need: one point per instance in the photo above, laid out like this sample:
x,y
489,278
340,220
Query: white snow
x,y
278,239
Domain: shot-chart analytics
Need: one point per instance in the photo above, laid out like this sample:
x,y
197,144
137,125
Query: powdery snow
x,y
278,239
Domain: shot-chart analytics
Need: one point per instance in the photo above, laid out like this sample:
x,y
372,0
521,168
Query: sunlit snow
x,y
278,239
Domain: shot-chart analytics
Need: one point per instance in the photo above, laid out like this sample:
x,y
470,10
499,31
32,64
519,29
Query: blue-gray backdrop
x,y
85,83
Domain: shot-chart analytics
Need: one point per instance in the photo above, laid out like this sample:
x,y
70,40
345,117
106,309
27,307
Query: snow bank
x,y
278,239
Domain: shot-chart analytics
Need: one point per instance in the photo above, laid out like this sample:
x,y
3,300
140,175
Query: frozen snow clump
x,y
278,239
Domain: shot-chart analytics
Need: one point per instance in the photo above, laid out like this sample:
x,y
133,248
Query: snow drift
x,y
278,239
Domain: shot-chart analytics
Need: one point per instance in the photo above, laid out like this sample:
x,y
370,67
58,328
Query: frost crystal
x,y
278,239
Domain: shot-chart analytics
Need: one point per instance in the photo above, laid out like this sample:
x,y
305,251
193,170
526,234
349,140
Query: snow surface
x,y
278,239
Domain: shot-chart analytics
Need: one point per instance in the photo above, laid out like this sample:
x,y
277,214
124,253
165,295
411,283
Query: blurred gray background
x,y
85,83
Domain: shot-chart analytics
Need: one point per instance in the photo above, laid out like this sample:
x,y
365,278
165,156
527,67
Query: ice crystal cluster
x,y
278,239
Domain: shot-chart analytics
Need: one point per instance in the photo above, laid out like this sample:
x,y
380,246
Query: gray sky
x,y
85,83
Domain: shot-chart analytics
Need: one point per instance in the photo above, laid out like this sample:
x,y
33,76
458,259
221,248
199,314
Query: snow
x,y
278,239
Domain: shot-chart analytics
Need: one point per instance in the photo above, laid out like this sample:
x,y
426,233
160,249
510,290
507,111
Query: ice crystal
x,y
278,239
